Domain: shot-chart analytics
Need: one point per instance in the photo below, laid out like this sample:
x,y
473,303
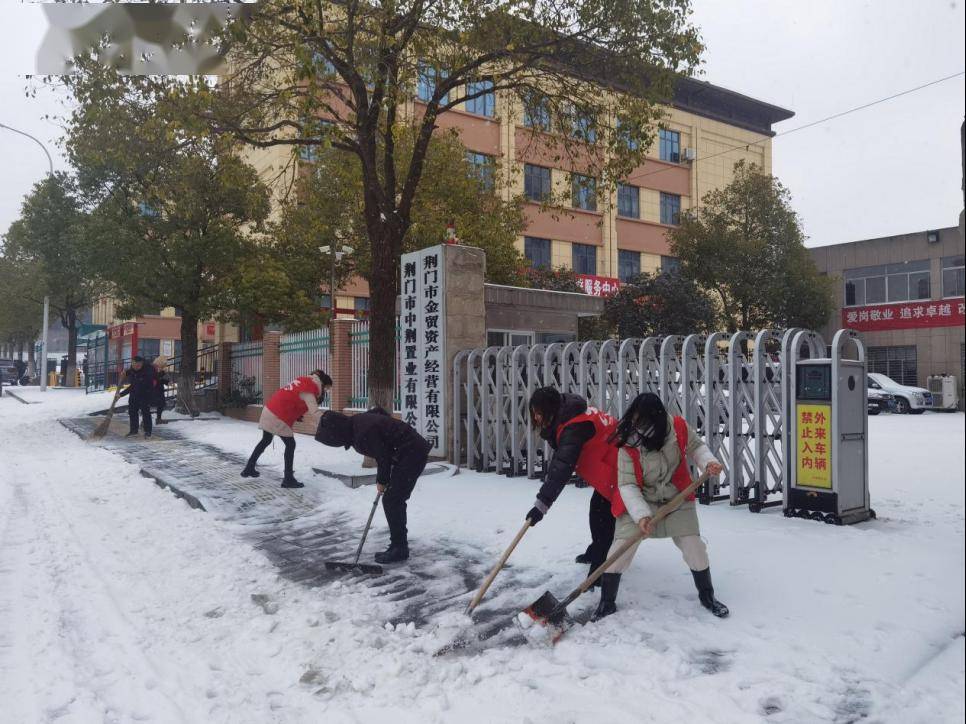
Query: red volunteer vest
x,y
682,476
597,463
286,403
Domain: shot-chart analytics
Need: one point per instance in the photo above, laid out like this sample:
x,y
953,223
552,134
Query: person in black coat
x,y
549,409
142,381
400,454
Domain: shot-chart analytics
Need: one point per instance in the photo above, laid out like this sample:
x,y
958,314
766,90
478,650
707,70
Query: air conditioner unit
x,y
945,396
688,154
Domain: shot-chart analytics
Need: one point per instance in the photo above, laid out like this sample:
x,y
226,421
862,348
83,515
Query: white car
x,y
911,400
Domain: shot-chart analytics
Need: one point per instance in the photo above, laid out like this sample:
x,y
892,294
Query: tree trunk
x,y
70,374
383,289
189,365
31,361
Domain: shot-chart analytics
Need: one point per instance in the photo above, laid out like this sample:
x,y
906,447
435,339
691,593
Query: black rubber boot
x,y
250,471
132,433
395,553
289,481
609,583
584,557
702,581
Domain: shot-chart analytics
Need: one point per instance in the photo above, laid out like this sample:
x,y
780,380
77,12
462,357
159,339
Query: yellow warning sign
x,y
814,446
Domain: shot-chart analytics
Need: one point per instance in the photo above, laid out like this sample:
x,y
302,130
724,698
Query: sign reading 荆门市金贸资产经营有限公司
x,y
421,344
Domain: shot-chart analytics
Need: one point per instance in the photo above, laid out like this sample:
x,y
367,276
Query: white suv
x,y
912,400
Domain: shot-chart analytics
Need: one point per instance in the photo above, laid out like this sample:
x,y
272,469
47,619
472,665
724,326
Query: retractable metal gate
x,y
733,389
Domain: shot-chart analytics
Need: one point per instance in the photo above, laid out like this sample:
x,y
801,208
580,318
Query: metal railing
x,y
246,374
302,352
359,351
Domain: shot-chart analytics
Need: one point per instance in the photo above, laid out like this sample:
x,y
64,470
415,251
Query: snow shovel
x,y
371,568
105,424
497,568
550,612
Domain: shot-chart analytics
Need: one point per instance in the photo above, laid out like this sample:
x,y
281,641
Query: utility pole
x,y
43,346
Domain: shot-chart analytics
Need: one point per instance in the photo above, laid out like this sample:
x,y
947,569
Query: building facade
x,y
905,294
605,235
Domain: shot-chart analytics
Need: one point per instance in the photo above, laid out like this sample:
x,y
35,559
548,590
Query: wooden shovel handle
x,y
497,568
663,512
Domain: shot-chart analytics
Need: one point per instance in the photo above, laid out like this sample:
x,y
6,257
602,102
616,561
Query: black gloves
x,y
534,516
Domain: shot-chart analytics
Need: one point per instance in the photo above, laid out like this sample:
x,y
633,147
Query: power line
x,y
811,124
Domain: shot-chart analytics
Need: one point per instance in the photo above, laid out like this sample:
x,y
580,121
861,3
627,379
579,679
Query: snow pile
x,y
118,602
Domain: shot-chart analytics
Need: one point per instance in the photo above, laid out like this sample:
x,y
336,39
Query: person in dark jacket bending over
x,y
400,454
141,380
579,437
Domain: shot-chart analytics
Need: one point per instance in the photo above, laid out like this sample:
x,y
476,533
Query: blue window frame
x,y
670,145
536,182
537,251
584,127
624,135
536,112
429,78
670,264
484,105
628,201
584,258
482,167
323,63
583,190
628,264
670,209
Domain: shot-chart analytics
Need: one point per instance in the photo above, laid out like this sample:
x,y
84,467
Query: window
x,y
670,264
429,78
903,282
583,126
536,182
627,135
314,130
897,363
149,348
584,259
954,282
628,264
322,63
481,167
583,192
484,105
361,306
507,338
670,145
628,201
537,251
552,337
670,208
325,301
536,112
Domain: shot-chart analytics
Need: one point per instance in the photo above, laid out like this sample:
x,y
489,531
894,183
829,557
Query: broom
x,y
105,424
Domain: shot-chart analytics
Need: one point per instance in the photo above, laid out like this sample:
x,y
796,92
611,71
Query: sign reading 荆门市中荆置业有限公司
x,y
905,315
421,344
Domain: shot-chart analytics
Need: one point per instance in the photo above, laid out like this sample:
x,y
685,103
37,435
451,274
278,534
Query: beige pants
x,y
692,547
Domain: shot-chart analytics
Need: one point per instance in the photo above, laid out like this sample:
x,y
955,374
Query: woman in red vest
x,y
282,411
664,444
579,437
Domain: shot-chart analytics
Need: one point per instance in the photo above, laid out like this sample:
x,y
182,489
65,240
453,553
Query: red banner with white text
x,y
905,315
598,286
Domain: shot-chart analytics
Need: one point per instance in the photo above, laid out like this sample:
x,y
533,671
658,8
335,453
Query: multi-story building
x,y
905,294
605,235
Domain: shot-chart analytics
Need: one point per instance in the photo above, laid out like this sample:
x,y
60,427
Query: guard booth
x,y
829,450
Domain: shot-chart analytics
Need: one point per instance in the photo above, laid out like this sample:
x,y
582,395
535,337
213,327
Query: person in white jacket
x,y
665,443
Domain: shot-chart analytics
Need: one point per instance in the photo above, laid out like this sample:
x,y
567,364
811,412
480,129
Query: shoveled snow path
x,y
829,624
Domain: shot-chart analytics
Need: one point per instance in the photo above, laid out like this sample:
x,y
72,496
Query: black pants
x,y
136,408
405,472
602,524
266,440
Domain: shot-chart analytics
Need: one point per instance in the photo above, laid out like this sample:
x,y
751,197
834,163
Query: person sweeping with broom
x,y
652,467
400,454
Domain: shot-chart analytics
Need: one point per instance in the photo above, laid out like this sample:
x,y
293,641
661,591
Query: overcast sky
x,y
890,169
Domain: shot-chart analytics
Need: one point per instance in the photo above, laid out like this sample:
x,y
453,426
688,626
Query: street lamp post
x,y
43,345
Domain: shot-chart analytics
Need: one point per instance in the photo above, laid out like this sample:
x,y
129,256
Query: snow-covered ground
x,y
120,603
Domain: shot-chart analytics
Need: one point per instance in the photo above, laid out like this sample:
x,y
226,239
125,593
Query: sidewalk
x,y
297,530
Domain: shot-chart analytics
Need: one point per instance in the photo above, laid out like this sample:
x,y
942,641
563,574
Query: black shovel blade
x,y
547,610
369,568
